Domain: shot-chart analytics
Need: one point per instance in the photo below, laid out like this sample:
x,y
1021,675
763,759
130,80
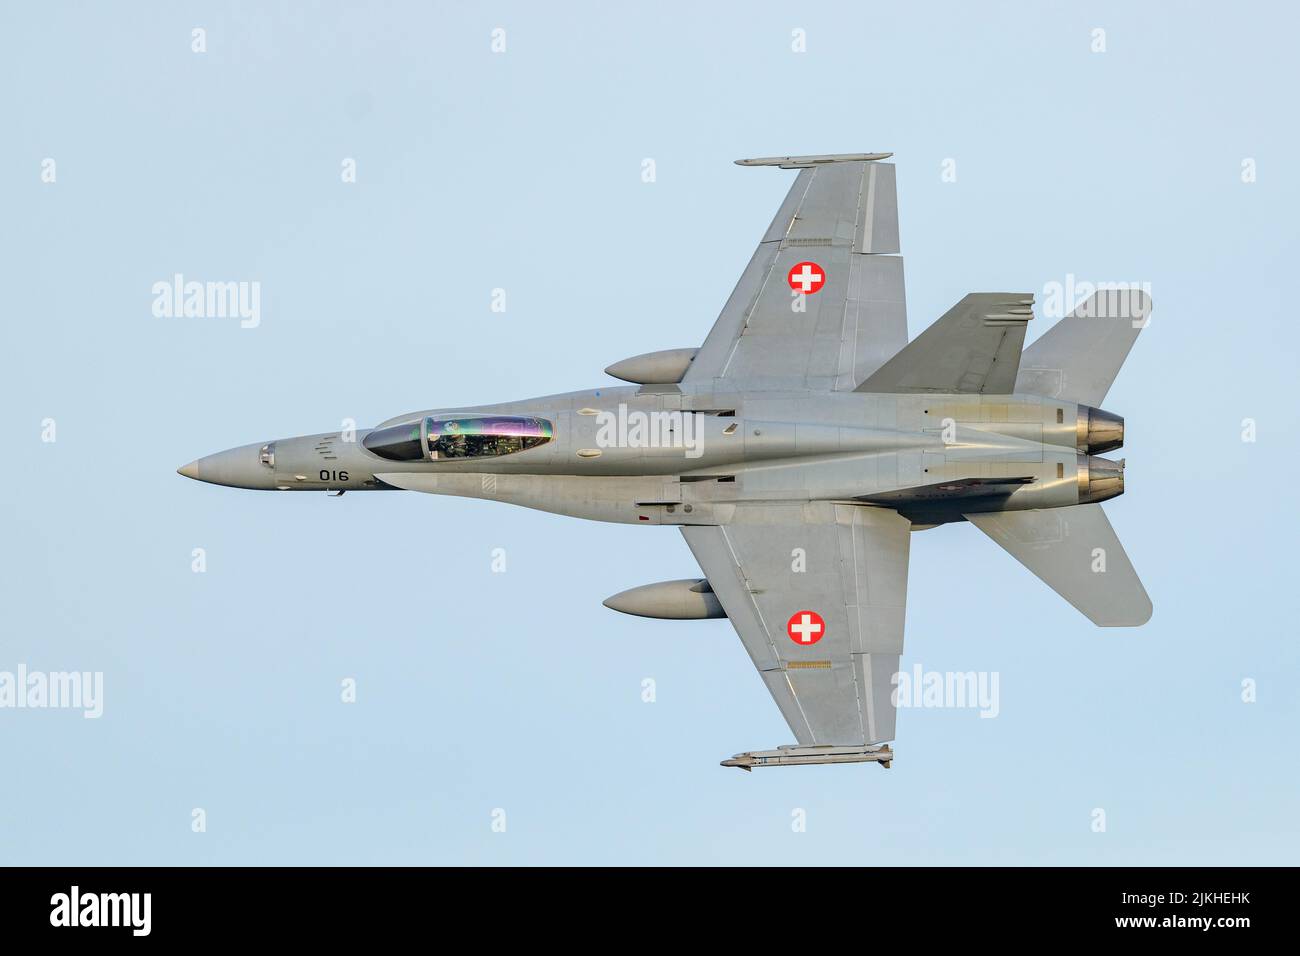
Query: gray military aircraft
x,y
798,449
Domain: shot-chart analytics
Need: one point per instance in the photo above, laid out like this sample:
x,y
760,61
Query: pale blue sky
x,y
522,171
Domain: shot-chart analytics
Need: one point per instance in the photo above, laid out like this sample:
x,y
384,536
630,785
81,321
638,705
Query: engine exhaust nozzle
x,y
1100,478
1098,431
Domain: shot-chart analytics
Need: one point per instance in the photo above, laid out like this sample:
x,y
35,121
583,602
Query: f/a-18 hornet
x,y
797,450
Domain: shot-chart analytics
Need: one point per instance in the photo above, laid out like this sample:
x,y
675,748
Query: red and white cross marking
x,y
805,627
806,277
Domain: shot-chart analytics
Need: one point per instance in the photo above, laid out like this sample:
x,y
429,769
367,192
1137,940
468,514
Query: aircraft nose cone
x,y
235,467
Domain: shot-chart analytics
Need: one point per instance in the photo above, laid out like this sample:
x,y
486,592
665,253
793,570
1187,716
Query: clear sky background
x,y
522,170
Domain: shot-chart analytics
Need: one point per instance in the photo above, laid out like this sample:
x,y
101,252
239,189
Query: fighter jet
x,y
798,449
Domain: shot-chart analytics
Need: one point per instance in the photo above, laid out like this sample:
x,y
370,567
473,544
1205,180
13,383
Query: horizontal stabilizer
x,y
1075,551
1079,357
973,348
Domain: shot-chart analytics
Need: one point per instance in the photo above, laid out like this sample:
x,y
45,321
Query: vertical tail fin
x,y
1079,357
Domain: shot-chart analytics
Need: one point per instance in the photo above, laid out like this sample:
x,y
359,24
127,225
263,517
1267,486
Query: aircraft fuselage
x,y
673,455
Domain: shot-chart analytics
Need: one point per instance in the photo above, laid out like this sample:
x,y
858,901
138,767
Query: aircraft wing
x,y
844,564
841,215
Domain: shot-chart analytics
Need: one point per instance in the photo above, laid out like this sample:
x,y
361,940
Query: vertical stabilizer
x,y
1079,357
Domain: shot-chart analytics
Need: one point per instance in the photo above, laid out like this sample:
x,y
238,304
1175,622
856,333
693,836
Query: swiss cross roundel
x,y
805,627
806,277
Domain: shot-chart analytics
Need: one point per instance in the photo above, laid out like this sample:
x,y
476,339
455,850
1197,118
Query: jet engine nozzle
x,y
1098,431
1100,478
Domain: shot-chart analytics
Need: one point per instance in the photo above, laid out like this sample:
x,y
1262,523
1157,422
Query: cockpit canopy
x,y
475,436
483,437
397,442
